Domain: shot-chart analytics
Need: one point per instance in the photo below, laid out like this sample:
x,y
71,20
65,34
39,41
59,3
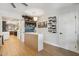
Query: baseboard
x,y
51,44
59,46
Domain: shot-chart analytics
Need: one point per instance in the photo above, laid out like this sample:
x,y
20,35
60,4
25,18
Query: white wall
x,y
48,37
54,39
77,29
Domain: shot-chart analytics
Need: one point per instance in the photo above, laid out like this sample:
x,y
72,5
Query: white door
x,y
67,36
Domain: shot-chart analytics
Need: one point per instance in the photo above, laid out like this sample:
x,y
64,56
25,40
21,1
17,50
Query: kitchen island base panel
x,y
34,41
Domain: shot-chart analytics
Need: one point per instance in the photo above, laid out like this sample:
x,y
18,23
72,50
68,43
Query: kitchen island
x,y
34,40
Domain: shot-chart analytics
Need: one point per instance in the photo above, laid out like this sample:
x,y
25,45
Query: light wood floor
x,y
50,50
14,47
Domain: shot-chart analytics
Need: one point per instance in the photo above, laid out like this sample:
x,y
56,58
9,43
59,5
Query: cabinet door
x,y
67,35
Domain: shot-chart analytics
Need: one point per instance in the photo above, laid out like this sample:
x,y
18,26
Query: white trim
x,y
51,43
59,46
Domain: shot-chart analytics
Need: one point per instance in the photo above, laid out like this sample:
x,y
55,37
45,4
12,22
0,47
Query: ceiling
x,y
48,8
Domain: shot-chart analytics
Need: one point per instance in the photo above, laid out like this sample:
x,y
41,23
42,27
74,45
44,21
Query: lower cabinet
x,y
5,35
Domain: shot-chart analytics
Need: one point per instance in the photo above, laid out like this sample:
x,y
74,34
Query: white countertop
x,y
35,33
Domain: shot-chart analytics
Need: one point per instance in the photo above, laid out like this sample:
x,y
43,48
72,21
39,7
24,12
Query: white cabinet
x,y
5,35
22,30
0,40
